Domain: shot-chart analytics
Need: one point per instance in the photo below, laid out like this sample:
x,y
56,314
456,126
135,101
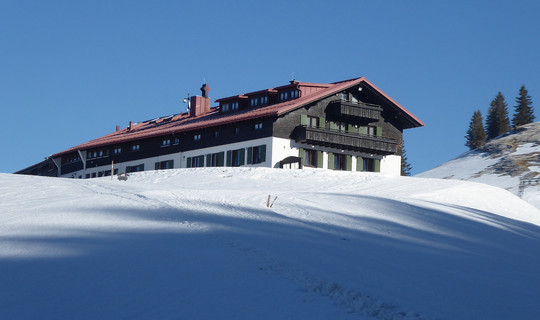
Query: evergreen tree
x,y
524,111
497,121
405,165
476,135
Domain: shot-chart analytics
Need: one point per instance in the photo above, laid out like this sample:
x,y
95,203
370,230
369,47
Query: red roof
x,y
183,122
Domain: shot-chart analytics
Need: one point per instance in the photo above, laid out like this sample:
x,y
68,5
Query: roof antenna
x,y
292,76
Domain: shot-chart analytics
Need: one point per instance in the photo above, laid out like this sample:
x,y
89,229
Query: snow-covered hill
x,y
202,244
511,162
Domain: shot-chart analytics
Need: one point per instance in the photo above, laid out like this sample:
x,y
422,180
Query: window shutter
x,y
303,120
348,160
229,158
359,164
350,128
379,131
157,166
377,165
263,153
319,159
188,164
250,155
242,156
331,164
208,160
302,154
322,122
333,125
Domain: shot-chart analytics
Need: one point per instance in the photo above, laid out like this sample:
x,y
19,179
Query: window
x,y
236,158
195,162
344,96
369,165
136,168
258,101
340,162
217,159
135,147
176,141
117,150
216,134
164,165
372,131
236,130
256,154
71,159
257,126
98,153
313,122
225,107
234,106
196,137
311,158
290,94
166,142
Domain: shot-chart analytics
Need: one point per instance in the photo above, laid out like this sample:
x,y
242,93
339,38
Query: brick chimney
x,y
200,105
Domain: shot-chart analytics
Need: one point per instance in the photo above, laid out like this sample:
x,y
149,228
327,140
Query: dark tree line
x,y
497,119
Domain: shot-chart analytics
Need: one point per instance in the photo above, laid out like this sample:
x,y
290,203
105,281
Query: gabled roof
x,y
181,123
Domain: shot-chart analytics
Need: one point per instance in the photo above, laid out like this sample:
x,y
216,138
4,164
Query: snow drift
x,y
202,244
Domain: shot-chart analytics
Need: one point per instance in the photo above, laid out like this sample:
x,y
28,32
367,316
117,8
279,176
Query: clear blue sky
x,y
70,71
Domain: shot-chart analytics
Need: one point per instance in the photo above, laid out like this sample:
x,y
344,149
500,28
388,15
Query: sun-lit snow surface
x,y
511,162
202,244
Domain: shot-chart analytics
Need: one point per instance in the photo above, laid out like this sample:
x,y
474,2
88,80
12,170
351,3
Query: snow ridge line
x,y
352,300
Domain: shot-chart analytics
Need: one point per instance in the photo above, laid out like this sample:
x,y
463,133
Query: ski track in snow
x,y
321,225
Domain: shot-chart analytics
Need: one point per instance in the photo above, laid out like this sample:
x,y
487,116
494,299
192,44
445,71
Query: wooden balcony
x,y
345,140
356,109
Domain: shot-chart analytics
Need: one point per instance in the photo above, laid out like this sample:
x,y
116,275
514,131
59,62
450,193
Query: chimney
x,y
200,105
204,90
117,128
130,125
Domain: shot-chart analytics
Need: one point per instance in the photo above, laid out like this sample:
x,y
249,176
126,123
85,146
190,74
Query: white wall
x,y
277,149
391,165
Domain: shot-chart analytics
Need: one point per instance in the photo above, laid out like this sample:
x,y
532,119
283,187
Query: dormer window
x,y
256,101
166,142
229,106
289,95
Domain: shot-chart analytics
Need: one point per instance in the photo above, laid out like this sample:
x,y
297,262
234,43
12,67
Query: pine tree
x,y
405,165
497,121
524,111
476,135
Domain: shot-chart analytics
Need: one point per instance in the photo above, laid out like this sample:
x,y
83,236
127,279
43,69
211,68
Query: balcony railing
x,y
357,109
345,140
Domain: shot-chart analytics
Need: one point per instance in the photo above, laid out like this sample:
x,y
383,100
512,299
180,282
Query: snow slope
x,y
511,162
202,244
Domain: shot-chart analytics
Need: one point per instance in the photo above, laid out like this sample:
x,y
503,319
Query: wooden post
x,y
268,202
112,170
